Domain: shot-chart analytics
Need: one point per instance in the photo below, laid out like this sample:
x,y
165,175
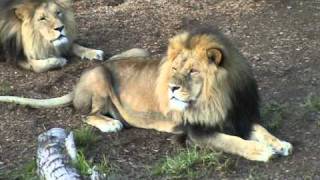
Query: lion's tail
x,y
39,103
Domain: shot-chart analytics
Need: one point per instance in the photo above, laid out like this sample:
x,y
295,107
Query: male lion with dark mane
x,y
198,89
40,33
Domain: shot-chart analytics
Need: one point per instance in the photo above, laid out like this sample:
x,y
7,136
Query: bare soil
x,y
280,38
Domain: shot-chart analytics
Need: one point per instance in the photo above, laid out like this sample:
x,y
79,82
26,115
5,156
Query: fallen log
x,y
55,154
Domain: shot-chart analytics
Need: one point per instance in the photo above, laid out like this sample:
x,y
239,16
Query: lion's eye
x,y
59,13
194,71
174,69
42,18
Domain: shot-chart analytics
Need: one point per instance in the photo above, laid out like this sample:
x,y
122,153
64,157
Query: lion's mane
x,y
229,92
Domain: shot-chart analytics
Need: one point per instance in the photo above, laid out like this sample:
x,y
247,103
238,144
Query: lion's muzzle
x,y
61,39
178,100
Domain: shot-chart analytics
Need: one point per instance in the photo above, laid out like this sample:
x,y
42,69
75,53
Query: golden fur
x,y
201,86
33,30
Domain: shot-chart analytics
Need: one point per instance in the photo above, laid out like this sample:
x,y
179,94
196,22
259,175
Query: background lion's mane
x,y
11,34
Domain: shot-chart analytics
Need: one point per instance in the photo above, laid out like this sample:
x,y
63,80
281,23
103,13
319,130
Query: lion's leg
x,y
92,92
251,150
260,134
43,65
88,53
168,126
101,103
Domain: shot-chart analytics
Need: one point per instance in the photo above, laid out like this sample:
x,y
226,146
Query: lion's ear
x,y
23,12
65,3
214,55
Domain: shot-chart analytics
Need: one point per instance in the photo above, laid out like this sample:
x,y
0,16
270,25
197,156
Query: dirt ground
x,y
280,38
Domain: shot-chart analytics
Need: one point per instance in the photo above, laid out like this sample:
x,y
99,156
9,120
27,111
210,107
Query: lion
x,y
202,89
39,35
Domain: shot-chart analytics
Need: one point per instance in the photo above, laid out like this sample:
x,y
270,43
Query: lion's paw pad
x,y
111,126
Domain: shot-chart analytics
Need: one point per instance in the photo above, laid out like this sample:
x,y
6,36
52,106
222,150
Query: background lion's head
x,y
39,28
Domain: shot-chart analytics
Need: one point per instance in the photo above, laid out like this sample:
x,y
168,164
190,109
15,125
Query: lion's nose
x,y
174,87
59,28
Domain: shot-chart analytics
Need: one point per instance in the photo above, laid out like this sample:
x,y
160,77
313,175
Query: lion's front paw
x,y
285,150
62,62
110,126
260,152
56,62
93,54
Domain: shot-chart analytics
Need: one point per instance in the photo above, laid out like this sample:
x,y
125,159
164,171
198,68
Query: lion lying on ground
x,y
201,87
39,34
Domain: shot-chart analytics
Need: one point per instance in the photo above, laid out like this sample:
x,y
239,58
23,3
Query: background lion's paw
x,y
57,62
99,55
93,54
63,62
110,126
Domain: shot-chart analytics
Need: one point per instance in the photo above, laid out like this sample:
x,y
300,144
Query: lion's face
x,y
47,19
190,62
185,81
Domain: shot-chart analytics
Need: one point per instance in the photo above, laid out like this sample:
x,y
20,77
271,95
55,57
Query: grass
x,y
82,165
191,163
5,88
312,108
85,166
27,172
312,103
105,166
85,138
272,115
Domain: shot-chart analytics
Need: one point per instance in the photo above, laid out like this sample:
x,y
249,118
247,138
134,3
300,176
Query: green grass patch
x,y
312,108
85,137
312,103
27,172
5,88
105,166
272,115
84,166
191,163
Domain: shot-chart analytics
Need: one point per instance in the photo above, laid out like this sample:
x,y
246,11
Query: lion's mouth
x,y
62,39
178,104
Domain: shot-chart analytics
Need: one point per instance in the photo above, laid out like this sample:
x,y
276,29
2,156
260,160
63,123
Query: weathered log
x,y
56,151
